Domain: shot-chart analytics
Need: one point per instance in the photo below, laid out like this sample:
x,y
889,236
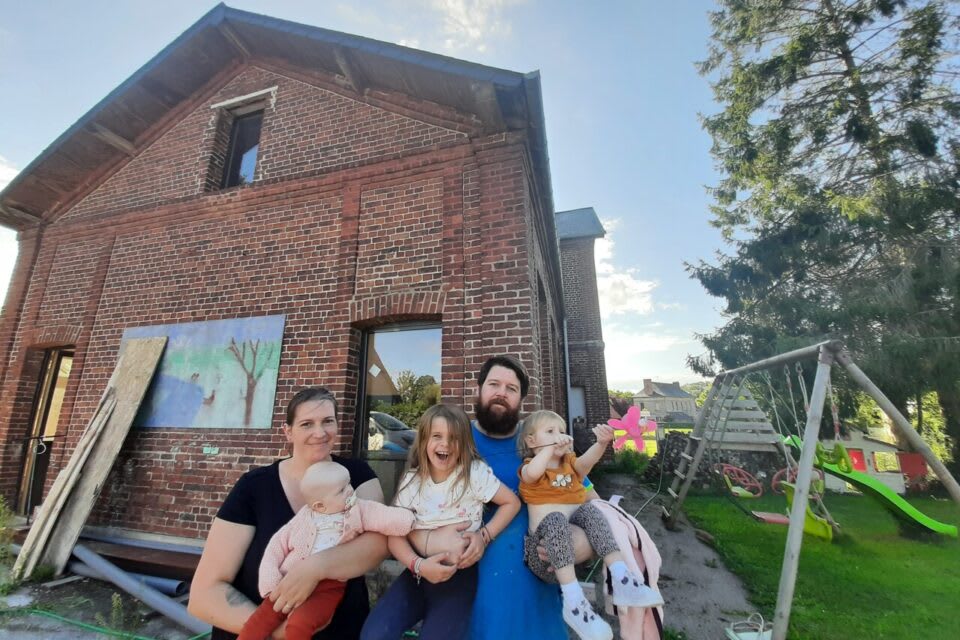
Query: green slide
x,y
887,497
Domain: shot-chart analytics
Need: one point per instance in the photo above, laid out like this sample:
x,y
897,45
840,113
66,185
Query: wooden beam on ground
x,y
138,362
39,533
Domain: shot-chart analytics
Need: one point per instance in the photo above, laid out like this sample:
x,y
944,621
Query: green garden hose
x,y
84,625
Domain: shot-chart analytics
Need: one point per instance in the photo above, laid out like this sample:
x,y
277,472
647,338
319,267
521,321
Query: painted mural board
x,y
217,374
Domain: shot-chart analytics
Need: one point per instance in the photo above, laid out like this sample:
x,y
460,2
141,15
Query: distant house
x,y
666,402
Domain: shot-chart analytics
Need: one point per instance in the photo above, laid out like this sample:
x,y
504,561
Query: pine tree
x,y
839,148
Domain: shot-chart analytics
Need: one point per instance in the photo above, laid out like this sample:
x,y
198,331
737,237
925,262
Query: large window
x,y
401,365
242,151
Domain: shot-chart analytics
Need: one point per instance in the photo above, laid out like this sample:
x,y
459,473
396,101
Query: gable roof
x,y
127,119
664,389
579,223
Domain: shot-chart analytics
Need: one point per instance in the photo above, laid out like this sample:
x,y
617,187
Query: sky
x,y
621,99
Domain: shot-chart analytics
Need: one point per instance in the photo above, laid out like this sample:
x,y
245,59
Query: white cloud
x,y
471,24
620,290
633,354
7,172
8,237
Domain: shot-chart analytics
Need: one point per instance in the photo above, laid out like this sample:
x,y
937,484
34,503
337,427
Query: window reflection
x,y
402,365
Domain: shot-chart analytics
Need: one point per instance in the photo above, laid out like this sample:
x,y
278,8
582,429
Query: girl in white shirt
x,y
446,482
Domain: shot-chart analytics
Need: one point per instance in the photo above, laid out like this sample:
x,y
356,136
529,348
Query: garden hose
x,y
89,627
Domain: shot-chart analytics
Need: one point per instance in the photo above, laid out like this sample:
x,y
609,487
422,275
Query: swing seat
x,y
812,523
789,474
740,483
768,517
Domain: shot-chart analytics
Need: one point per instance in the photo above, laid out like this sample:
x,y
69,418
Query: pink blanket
x,y
641,556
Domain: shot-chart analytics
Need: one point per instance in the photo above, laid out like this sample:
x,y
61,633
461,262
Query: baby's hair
x,y
320,475
530,424
461,435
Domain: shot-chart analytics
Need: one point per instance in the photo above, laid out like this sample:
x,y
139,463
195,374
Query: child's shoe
x,y
585,622
630,591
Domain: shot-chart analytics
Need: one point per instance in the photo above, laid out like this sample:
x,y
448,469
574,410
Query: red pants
x,y
311,616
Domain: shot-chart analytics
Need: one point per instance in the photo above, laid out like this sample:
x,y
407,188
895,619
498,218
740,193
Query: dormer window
x,y
235,146
242,150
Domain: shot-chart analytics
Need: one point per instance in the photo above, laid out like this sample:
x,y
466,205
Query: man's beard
x,y
496,423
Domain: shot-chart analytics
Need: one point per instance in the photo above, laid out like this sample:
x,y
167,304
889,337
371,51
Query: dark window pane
x,y
242,154
402,368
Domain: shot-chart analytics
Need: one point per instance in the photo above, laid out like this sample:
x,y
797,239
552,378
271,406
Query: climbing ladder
x,y
730,417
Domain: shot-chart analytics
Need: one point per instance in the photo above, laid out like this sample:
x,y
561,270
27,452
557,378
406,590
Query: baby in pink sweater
x,y
332,515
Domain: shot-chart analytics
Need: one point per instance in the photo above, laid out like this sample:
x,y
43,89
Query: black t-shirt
x,y
258,500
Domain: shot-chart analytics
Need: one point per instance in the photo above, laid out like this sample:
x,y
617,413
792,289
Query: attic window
x,y
242,150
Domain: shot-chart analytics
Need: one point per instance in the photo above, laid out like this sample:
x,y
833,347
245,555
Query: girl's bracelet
x,y
486,535
416,568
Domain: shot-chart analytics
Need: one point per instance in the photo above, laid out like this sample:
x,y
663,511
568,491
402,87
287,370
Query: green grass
x,y
871,583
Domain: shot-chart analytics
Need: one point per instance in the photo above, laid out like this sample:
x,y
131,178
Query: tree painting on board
x,y
251,369
208,368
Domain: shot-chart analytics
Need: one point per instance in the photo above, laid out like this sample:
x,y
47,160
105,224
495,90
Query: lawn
x,y
872,583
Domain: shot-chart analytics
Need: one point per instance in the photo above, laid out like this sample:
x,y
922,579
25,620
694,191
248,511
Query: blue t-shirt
x,y
511,602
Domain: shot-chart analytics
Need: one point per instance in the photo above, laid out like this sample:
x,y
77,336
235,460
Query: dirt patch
x,y
702,596
88,602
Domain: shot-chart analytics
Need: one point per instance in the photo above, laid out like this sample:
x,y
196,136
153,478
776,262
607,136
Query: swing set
x,y
731,413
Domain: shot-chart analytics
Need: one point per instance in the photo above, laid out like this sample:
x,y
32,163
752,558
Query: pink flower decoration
x,y
635,426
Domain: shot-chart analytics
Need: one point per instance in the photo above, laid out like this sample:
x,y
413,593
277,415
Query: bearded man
x,y
511,602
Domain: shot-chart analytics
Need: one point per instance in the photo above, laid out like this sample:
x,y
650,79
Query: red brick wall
x,y
407,218
306,129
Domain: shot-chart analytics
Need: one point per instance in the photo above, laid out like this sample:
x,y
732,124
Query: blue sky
x,y
621,98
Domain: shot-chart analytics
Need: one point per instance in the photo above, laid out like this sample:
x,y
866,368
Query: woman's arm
x,y
213,598
342,562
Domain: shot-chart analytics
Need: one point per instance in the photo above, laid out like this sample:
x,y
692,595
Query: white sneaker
x,y
586,623
630,591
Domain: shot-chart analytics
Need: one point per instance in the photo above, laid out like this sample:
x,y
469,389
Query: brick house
x,y
369,193
589,404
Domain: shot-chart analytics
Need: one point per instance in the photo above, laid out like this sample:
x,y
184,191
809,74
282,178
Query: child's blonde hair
x,y
530,425
461,434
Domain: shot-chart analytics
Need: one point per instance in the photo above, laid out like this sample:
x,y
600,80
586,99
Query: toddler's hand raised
x,y
604,433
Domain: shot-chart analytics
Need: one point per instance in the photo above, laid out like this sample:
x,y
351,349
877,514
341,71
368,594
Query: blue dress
x,y
511,602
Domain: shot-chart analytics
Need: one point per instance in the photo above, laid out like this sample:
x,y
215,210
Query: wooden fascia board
x,y
19,214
